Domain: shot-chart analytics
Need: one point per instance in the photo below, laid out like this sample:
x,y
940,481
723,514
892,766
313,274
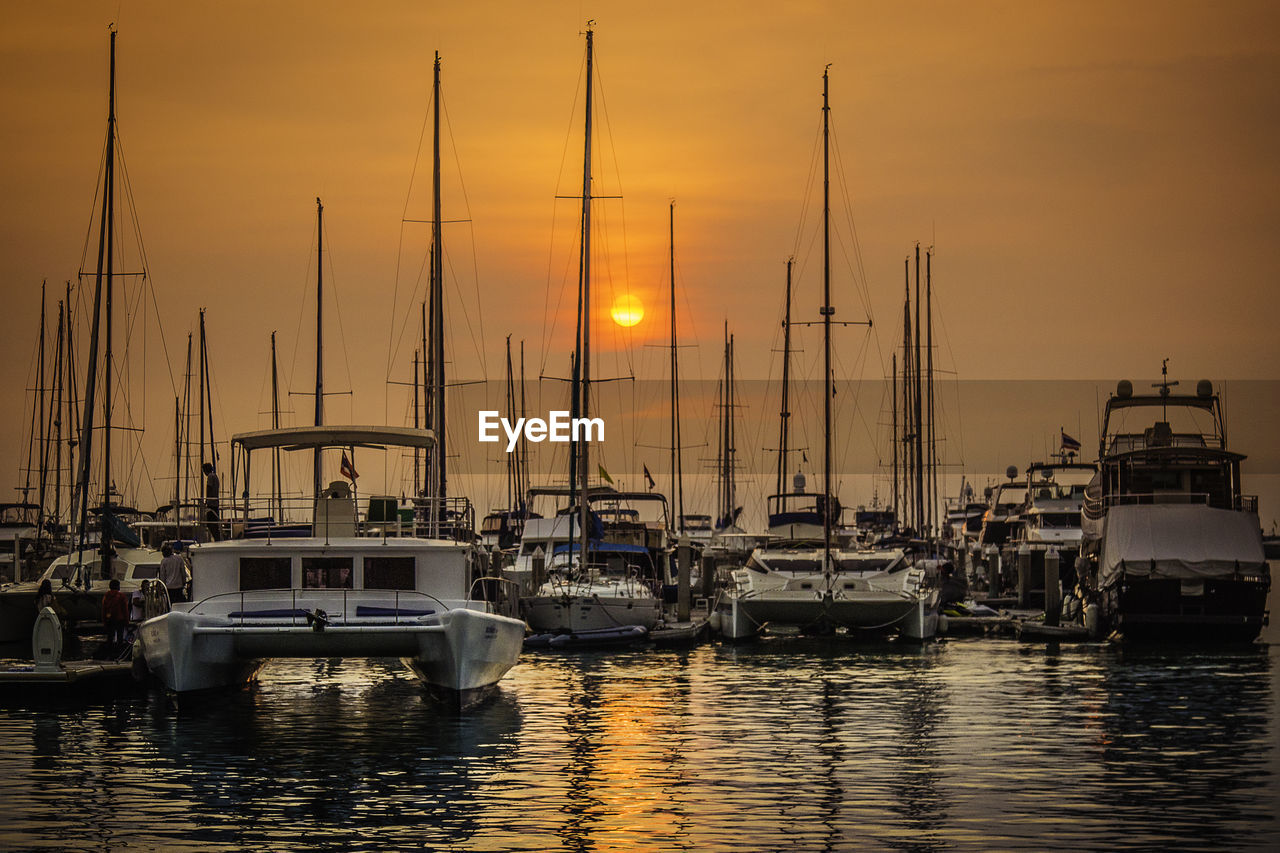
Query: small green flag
x,y
604,475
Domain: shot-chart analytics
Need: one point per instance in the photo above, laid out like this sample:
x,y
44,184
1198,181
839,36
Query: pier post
x,y
708,576
1052,588
684,556
539,569
1024,576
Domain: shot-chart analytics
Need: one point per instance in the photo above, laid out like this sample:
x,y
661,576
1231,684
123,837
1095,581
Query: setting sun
x,y
627,310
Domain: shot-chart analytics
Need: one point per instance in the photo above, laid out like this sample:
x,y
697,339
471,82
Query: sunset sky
x,y
1099,180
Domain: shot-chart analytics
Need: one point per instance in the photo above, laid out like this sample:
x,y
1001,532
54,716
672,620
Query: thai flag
x,y
1069,444
347,469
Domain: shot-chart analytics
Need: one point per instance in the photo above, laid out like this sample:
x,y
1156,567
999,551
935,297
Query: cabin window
x,y
146,573
389,573
266,573
327,573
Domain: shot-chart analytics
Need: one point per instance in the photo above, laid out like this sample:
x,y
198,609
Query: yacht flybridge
x,y
360,579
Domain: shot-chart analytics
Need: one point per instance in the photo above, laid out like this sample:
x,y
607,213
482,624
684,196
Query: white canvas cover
x,y
1179,541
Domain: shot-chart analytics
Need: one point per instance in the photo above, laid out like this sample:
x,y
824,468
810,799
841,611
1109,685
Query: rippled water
x,y
783,744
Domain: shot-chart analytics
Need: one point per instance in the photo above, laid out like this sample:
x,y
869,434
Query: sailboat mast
x,y
319,417
184,436
827,311
56,425
933,447
200,369
275,424
919,415
893,397
784,415
109,173
677,463
37,410
439,482
523,449
584,287
91,381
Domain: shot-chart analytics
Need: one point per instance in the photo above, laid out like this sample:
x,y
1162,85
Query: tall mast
x,y
37,413
200,389
784,415
677,462
426,406
522,447
827,311
319,419
275,424
55,427
108,360
933,449
91,380
584,288
893,397
919,418
186,429
907,443
512,461
722,516
439,483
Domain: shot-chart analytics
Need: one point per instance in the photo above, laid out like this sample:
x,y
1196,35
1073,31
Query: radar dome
x,y
1204,388
1011,471
1124,389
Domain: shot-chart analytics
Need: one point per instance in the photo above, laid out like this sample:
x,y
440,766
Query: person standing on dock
x,y
115,613
173,573
211,487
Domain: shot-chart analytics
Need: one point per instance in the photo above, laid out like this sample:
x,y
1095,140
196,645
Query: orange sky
x,y
1099,179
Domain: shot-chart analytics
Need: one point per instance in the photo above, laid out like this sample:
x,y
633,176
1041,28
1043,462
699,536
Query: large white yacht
x,y
1173,549
351,583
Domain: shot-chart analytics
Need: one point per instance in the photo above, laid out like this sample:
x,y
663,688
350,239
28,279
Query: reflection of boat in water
x,y
365,755
1173,549
345,587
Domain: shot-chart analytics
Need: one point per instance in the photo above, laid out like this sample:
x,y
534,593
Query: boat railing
x,y
377,516
501,594
313,607
1145,498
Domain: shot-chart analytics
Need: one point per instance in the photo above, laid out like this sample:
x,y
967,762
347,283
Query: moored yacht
x,y
809,578
1173,549
349,584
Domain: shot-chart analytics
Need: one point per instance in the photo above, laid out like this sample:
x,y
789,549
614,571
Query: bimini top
x,y
312,437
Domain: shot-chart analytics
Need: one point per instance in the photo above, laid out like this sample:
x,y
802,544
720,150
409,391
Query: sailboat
x,y
808,579
105,547
354,582
597,581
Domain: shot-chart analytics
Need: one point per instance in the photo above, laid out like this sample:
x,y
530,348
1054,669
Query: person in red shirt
x,y
115,613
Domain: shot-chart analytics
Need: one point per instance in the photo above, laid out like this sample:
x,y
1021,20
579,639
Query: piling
x,y
684,556
1024,576
1052,588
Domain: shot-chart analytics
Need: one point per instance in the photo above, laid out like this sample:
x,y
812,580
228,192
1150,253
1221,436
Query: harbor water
x,y
785,743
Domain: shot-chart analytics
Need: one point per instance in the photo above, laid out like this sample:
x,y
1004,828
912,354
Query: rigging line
x,y
408,196
564,155
342,335
808,189
306,297
466,206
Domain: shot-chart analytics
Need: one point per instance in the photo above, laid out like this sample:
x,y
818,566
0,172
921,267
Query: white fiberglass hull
x,y
590,612
461,652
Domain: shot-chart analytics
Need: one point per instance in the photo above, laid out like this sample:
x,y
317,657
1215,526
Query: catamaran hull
x,y
869,615
463,652
576,613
